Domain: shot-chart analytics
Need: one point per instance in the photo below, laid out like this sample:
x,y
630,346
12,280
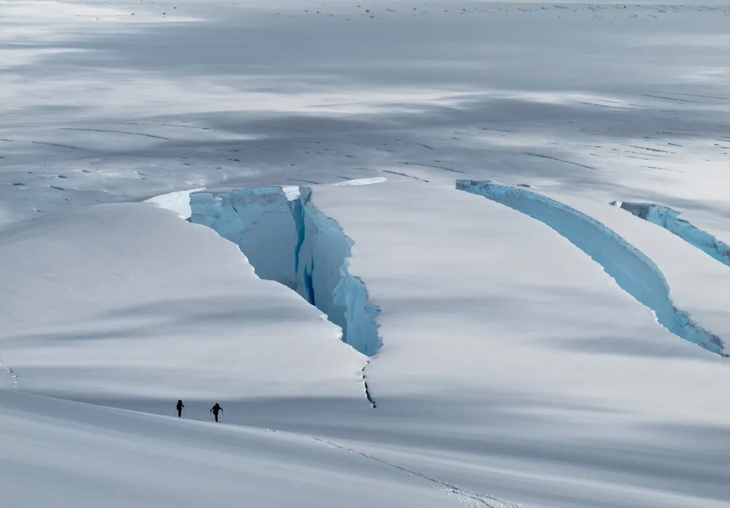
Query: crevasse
x,y
668,218
631,269
288,240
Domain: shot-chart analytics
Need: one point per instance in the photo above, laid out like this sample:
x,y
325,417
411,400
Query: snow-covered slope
x,y
130,301
94,456
468,348
482,307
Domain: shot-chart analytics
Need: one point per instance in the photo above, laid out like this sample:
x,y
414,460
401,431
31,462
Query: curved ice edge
x,y
632,270
288,240
358,317
668,218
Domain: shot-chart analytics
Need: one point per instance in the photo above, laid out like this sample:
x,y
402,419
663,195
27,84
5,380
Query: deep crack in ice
x,y
633,271
669,219
288,240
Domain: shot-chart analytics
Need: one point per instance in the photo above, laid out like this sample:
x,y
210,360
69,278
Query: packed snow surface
x,y
322,140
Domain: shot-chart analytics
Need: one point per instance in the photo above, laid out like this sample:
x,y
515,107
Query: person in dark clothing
x,y
179,407
215,410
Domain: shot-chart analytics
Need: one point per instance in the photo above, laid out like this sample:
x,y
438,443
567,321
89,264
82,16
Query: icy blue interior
x,y
286,239
632,270
669,220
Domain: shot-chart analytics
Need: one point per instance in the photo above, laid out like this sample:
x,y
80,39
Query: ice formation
x,y
286,239
669,219
632,270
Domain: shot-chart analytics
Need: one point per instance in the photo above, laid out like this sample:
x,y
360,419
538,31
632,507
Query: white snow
x,y
129,302
94,456
178,202
361,181
483,304
303,157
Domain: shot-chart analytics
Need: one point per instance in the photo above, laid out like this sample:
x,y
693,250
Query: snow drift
x,y
286,239
632,270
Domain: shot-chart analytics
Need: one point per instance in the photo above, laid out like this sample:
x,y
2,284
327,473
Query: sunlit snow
x,y
262,205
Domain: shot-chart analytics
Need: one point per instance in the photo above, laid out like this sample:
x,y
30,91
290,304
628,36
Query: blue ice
x,y
669,219
632,270
288,240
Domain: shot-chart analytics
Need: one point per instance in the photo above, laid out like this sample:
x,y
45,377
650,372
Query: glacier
x,y
633,271
288,240
668,218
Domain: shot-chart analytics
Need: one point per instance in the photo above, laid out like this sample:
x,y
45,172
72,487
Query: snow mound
x,y
633,271
287,240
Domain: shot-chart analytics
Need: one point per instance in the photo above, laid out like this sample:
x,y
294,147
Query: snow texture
x,y
512,365
288,240
94,456
139,304
669,219
632,270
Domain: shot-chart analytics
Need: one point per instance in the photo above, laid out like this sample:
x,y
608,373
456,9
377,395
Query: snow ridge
x,y
288,240
668,218
633,271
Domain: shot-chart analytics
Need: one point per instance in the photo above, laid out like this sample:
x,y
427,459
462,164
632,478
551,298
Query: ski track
x,y
467,497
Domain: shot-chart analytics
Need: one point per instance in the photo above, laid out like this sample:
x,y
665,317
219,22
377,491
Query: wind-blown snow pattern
x,y
632,270
286,239
668,218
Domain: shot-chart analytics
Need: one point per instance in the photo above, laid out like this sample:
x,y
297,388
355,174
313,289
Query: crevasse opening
x,y
631,269
288,240
668,218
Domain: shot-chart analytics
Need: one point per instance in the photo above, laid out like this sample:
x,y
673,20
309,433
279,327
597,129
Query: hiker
x,y
179,407
215,410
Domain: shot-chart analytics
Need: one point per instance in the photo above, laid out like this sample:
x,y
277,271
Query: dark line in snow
x,y
367,389
404,174
696,95
431,166
603,106
668,98
58,145
558,160
115,132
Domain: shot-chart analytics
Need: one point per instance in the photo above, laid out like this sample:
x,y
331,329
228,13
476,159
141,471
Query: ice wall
x,y
286,239
669,219
632,270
